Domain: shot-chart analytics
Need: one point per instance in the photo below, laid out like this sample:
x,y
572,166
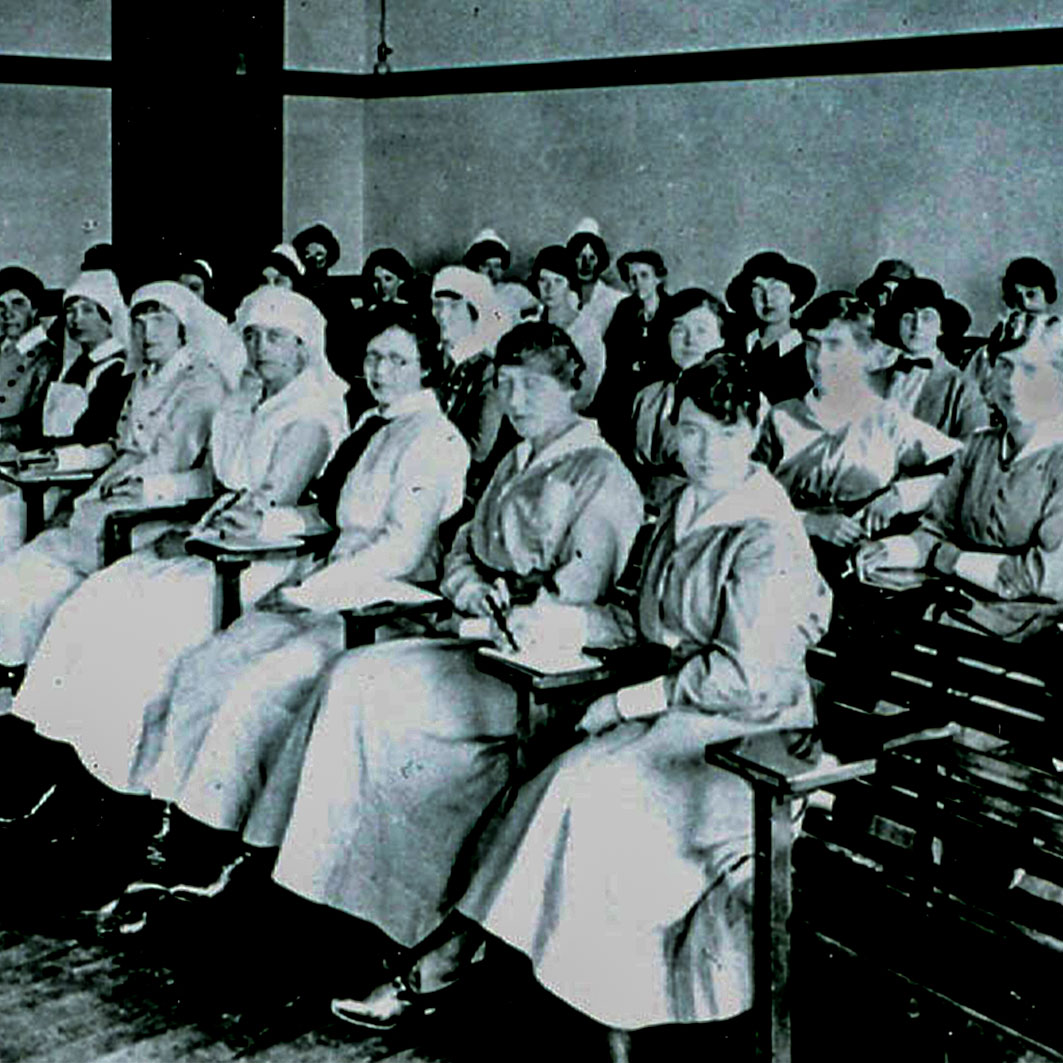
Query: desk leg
x,y
33,500
227,592
773,836
524,722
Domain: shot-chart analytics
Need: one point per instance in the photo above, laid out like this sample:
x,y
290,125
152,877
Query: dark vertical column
x,y
197,140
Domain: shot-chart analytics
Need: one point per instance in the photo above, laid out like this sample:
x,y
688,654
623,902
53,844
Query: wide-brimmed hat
x,y
800,279
16,277
319,233
389,258
914,294
648,256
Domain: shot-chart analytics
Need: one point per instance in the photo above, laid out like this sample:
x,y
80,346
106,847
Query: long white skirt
x,y
624,872
102,675
411,747
238,719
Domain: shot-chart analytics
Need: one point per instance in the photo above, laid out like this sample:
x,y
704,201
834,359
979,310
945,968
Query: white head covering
x,y
242,437
586,225
288,251
101,286
208,337
494,319
487,236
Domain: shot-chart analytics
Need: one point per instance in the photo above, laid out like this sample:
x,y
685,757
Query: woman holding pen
x,y
100,677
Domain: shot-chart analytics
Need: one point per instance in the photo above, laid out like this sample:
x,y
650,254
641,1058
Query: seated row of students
x,y
373,773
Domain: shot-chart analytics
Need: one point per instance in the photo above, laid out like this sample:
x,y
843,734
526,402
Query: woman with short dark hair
x,y
392,787
925,326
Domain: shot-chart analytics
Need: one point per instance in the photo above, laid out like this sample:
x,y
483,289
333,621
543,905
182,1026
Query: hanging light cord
x,y
383,49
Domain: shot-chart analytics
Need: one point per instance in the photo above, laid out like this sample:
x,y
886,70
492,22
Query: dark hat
x,y
26,282
800,279
319,234
391,260
690,299
99,256
650,258
556,259
892,269
916,293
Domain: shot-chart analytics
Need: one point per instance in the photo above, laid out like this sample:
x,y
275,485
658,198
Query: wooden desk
x,y
539,690
33,483
360,623
230,562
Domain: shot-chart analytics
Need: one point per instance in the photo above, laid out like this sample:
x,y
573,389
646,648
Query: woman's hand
x,y
834,528
244,520
602,714
878,514
476,599
129,488
549,628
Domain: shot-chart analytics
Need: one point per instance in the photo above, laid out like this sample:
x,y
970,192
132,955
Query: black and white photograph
x,y
531,530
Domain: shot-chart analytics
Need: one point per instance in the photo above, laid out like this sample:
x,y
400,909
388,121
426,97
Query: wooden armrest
x,y
243,552
614,669
119,524
362,622
769,767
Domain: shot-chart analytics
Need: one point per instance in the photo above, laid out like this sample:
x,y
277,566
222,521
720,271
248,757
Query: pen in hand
x,y
500,621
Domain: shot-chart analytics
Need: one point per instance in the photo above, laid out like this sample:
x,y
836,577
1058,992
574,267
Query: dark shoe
x,y
388,1006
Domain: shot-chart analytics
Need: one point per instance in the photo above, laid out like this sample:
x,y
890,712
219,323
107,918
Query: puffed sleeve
x,y
603,524
770,608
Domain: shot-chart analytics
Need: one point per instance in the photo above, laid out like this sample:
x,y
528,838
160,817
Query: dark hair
x,y
723,387
482,250
650,258
840,306
892,269
31,286
197,266
99,256
577,241
402,317
683,302
545,347
556,259
318,234
390,259
1030,273
914,294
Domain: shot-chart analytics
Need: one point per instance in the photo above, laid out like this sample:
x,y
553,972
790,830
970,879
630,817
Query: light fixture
x,y
383,49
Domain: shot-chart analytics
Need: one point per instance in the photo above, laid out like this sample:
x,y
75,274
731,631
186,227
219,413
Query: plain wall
x,y
323,169
957,172
55,177
429,33
77,29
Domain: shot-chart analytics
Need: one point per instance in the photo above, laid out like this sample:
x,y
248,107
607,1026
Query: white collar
x,y
28,340
108,349
787,342
421,401
760,495
580,436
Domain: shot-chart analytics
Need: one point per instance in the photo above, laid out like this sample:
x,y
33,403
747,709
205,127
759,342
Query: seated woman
x,y
72,425
470,324
237,697
995,526
766,293
162,437
28,359
555,278
696,324
1028,288
878,289
101,675
636,341
413,742
921,323
489,254
851,461
283,268
623,870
